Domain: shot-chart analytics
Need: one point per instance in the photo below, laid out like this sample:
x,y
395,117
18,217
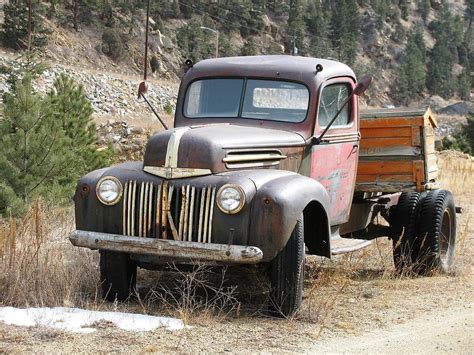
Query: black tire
x,y
287,275
436,237
403,219
118,275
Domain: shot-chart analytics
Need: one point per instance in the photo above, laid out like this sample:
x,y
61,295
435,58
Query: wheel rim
x,y
445,235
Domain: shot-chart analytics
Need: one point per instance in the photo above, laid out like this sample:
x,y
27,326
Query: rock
x,y
167,42
459,108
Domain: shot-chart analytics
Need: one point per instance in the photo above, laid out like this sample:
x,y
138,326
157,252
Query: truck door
x,y
334,160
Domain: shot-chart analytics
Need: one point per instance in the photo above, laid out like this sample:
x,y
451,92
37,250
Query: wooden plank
x,y
390,151
386,187
432,162
385,168
419,174
361,178
430,119
395,112
385,132
416,136
429,142
428,131
385,142
391,122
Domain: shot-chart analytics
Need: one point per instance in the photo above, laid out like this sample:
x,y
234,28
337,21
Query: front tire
x,y
118,275
287,275
436,239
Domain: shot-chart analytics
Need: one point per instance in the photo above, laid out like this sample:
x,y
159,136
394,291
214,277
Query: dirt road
x,y
449,330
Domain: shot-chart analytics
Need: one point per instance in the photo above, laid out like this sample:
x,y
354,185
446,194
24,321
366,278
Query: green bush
x,y
154,64
112,43
462,140
168,108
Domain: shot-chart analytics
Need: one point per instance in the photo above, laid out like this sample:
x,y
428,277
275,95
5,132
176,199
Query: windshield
x,y
240,98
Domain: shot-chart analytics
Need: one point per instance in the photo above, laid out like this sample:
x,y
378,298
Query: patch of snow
x,y
82,321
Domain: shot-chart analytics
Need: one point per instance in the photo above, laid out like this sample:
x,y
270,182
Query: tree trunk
x,y
75,10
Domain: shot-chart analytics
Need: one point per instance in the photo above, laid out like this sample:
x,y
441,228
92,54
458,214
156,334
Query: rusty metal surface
x,y
190,251
277,67
265,221
206,147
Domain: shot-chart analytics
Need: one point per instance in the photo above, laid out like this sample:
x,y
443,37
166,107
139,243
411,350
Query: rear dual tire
x,y
425,225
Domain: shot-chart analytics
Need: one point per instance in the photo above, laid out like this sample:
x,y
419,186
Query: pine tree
x,y
317,22
403,4
447,31
410,79
296,26
15,24
71,107
33,148
345,30
46,143
424,7
440,77
249,47
195,43
464,84
470,13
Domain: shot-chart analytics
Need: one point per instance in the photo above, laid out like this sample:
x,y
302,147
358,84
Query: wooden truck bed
x,y
397,151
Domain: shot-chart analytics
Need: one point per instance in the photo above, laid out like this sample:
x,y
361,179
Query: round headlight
x,y
230,199
109,190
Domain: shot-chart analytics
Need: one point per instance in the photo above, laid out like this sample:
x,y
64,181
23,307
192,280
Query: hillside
x,y
101,45
372,39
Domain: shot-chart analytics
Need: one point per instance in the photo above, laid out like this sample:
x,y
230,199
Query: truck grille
x,y
167,211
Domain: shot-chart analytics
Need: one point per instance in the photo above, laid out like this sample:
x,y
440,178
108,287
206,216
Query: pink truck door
x,y
334,160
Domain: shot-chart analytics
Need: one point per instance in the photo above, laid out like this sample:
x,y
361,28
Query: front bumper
x,y
179,250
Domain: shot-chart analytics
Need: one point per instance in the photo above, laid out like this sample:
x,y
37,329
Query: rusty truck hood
x,y
202,150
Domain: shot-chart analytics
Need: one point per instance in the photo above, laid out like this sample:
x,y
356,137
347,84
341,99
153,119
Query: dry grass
x,y
39,267
200,296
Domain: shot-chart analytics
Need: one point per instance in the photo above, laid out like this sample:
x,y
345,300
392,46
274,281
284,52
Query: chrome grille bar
x,y
166,211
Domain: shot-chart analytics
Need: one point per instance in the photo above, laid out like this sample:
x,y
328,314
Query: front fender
x,y
277,206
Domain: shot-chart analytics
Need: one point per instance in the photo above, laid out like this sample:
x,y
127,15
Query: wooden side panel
x,y
381,168
370,143
396,152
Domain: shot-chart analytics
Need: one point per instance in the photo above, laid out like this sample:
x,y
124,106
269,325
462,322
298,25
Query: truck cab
x,y
260,168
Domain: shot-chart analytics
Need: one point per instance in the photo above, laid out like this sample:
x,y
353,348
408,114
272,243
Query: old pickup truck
x,y
269,160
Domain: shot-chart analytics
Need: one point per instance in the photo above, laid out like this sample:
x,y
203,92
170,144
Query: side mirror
x,y
363,85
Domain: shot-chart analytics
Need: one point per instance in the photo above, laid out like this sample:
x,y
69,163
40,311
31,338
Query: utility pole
x,y
295,49
217,38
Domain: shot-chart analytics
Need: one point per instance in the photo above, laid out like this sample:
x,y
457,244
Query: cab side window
x,y
332,98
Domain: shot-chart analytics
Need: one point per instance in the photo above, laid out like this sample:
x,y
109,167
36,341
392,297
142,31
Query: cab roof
x,y
277,66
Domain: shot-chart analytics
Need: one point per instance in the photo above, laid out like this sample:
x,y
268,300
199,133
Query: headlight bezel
x,y
241,192
120,190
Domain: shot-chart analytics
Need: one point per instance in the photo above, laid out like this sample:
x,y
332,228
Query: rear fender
x,y
278,205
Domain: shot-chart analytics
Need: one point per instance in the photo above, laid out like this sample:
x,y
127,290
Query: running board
x,y
345,245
